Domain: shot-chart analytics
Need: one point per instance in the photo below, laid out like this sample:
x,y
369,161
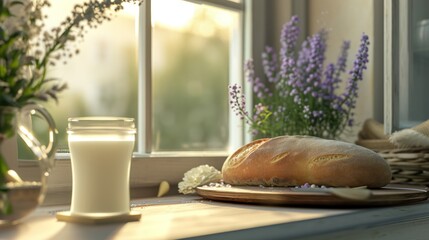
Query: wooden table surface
x,y
192,217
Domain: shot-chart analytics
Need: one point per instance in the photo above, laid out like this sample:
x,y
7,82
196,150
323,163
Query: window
x,y
102,79
189,56
195,49
406,61
146,71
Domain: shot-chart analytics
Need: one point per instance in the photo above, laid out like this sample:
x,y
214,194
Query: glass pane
x,y
191,70
419,84
102,78
414,90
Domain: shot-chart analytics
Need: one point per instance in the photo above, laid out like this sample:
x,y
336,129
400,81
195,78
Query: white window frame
x,y
149,169
391,66
144,147
397,62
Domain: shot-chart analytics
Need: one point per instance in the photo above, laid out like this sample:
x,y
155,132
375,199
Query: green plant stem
x,y
243,112
3,167
56,46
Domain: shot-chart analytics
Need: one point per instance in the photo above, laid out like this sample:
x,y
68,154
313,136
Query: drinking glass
x,y
101,149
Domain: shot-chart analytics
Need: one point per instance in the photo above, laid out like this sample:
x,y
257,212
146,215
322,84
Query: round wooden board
x,y
386,196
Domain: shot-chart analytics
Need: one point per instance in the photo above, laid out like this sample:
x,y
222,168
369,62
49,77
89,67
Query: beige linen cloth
x,y
372,136
417,136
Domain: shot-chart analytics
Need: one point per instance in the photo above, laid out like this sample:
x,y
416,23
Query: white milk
x,y
101,167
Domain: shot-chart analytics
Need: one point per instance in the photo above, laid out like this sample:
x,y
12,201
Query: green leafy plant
x,y
27,50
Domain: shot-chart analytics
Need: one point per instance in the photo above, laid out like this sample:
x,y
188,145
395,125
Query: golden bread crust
x,y
295,160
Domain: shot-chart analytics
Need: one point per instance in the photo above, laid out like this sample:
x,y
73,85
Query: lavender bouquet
x,y
299,94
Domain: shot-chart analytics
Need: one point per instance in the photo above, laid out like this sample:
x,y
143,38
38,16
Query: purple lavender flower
x,y
255,132
259,87
342,59
287,69
294,92
310,64
316,114
356,74
298,93
332,79
330,83
249,69
259,108
269,62
333,72
304,53
350,122
316,57
237,101
288,37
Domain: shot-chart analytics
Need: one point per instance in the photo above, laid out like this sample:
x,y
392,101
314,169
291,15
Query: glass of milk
x,y
101,149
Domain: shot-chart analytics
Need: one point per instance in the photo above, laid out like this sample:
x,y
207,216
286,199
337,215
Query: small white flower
x,y
198,176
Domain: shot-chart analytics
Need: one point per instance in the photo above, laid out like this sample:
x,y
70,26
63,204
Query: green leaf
x,y
3,48
19,85
6,46
4,13
7,99
2,34
16,59
7,207
3,71
7,125
3,170
17,34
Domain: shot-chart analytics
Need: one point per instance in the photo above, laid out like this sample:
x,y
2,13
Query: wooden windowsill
x,y
177,217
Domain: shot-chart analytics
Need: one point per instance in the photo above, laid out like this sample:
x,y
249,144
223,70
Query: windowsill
x,y
189,216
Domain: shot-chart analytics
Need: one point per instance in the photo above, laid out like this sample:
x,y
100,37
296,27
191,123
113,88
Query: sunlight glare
x,y
130,10
172,14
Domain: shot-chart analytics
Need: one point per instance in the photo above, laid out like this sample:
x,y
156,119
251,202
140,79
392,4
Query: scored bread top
x,y
295,160
235,159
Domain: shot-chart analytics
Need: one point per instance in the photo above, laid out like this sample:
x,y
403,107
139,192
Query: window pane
x,y
102,78
415,88
191,51
413,63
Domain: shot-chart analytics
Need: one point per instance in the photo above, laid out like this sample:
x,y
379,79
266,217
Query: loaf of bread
x,y
296,160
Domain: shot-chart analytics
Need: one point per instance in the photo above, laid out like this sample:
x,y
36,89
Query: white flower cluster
x,y
19,18
198,176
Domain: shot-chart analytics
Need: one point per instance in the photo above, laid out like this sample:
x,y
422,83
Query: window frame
x,y
391,66
398,59
144,124
149,169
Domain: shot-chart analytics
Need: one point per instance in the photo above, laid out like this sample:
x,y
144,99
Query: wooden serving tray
x,y
339,197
